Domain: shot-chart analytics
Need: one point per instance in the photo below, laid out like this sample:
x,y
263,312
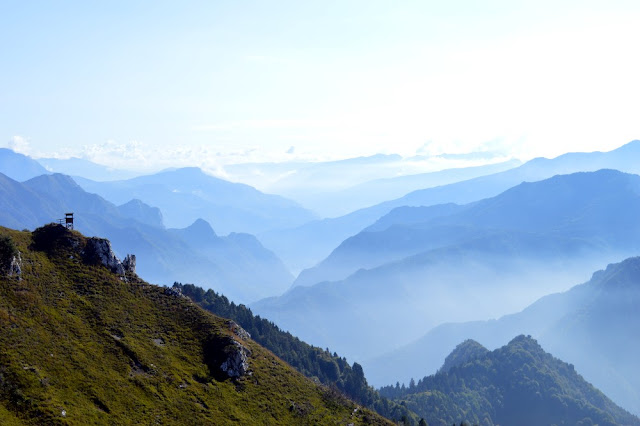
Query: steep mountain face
x,y
322,236
141,212
592,325
236,265
483,260
516,384
384,242
22,207
185,195
82,345
253,272
378,309
19,167
596,208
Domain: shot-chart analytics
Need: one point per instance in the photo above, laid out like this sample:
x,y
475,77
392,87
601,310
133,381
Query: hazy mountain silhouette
x,y
87,169
142,212
337,188
185,195
599,207
380,190
488,259
19,167
255,271
320,237
239,266
593,326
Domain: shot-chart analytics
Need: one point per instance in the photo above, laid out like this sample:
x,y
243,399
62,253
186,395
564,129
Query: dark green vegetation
x,y
81,345
518,384
593,326
463,353
8,251
313,362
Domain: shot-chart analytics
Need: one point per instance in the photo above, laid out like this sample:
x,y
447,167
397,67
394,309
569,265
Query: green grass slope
x,y
80,345
316,363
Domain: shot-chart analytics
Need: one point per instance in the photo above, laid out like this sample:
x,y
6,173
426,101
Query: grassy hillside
x,y
319,364
81,345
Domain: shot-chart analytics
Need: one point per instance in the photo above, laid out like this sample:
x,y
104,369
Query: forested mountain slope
x,y
517,384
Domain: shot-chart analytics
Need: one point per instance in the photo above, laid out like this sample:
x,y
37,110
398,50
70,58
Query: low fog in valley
x,y
320,213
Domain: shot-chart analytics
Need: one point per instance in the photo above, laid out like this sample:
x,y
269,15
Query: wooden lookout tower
x,y
67,221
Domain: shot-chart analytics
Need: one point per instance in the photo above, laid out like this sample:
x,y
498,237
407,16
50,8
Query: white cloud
x,y
261,125
20,144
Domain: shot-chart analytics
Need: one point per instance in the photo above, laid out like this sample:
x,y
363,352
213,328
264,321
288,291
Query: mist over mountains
x,y
485,252
187,194
422,213
592,325
482,260
19,167
328,233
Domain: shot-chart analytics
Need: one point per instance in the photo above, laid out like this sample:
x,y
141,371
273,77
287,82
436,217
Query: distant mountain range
x,y
478,261
87,169
341,200
238,265
322,236
19,167
517,384
593,326
185,195
577,206
439,260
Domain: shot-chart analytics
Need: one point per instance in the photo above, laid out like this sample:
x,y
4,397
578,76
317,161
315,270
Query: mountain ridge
x,y
518,383
328,233
594,318
81,345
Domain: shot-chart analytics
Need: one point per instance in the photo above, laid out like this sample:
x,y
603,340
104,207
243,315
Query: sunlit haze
x,y
147,85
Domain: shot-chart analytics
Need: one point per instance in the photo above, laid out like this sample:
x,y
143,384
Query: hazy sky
x,y
220,81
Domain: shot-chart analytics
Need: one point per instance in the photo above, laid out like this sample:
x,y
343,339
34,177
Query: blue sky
x,y
146,84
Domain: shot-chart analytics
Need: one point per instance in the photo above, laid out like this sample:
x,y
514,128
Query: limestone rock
x,y
129,263
236,365
238,331
15,269
99,251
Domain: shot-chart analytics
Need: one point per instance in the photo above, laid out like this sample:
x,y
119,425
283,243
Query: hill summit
x,y
87,342
517,384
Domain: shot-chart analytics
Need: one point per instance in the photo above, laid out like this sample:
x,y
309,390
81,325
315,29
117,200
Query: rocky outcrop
x,y
15,268
238,331
99,251
236,363
129,263
226,356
